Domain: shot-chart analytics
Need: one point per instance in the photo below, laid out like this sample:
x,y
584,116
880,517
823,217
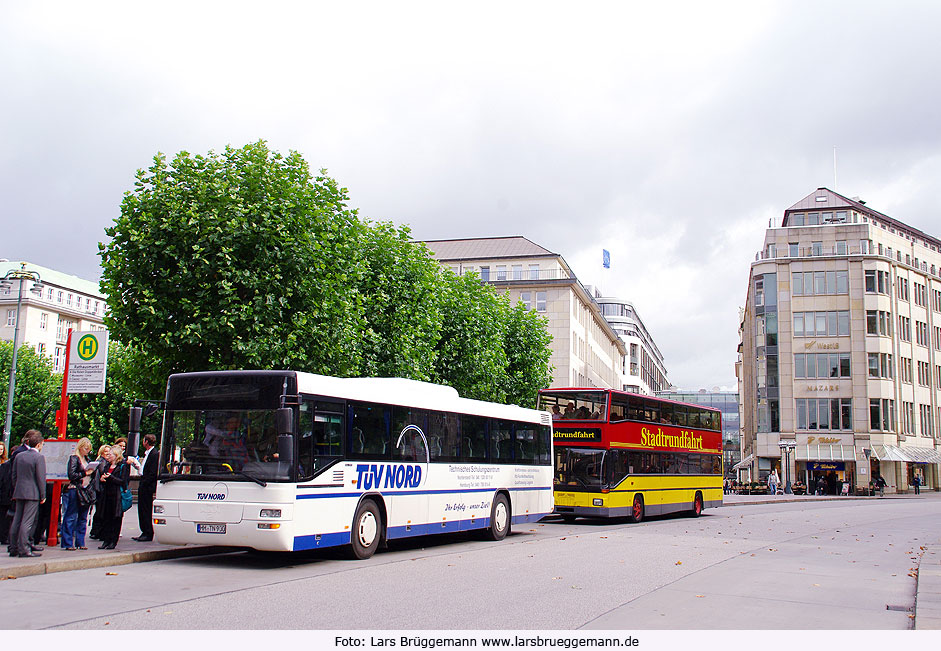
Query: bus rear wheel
x,y
697,506
367,530
637,510
499,518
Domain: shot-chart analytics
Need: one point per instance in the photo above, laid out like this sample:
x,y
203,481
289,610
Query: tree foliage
x,y
244,260
36,393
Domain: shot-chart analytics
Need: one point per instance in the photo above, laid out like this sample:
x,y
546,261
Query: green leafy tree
x,y
527,343
36,394
470,353
235,260
401,297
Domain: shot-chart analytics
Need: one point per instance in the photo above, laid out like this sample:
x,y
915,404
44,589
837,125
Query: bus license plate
x,y
210,528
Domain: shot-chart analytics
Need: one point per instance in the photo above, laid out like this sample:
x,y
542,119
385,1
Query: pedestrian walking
x,y
773,482
147,489
29,491
916,484
880,485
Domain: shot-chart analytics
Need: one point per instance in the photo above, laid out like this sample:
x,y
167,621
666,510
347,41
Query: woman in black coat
x,y
6,493
113,478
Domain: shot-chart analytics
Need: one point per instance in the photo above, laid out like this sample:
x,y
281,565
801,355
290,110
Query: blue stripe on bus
x,y
406,531
427,492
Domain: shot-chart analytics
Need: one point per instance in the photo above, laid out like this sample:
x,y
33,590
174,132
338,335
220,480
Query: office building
x,y
840,354
64,302
644,368
726,402
586,352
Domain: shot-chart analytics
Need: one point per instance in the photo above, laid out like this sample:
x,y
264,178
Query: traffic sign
x,y
88,362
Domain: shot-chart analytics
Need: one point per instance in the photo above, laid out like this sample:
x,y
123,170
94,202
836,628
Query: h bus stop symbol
x,y
88,347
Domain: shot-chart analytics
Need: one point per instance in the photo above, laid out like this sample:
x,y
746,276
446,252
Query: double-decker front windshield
x,y
575,405
224,443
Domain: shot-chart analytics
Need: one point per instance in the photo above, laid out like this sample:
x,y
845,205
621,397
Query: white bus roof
x,y
412,393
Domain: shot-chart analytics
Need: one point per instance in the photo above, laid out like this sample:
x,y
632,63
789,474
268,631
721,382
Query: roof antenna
x,y
834,168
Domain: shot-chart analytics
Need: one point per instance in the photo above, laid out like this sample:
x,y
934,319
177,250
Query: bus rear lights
x,y
160,521
158,508
597,501
270,513
269,525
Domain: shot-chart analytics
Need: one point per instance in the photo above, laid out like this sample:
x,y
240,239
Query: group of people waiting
x,y
101,482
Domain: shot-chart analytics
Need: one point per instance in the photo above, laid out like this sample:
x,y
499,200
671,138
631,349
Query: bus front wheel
x,y
637,510
367,530
499,518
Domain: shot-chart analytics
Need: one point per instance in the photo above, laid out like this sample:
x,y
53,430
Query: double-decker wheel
x,y
637,509
367,530
697,506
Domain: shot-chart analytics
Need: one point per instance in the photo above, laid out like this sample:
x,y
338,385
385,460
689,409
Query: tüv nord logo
x,y
216,494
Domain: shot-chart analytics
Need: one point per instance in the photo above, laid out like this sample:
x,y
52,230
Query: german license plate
x,y
210,528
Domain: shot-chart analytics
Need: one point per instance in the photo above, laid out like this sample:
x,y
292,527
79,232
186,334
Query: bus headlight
x,y
597,502
269,525
158,508
270,513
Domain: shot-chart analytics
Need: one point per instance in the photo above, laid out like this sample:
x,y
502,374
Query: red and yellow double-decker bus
x,y
620,454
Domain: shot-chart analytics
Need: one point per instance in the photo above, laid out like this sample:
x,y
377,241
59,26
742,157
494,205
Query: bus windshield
x,y
575,405
235,444
578,468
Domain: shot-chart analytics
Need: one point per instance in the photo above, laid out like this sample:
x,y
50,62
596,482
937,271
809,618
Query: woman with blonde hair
x,y
113,479
99,494
74,512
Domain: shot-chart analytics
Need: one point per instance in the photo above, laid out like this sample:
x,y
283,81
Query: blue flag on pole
x,y
606,258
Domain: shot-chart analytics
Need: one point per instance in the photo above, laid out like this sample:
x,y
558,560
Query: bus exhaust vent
x,y
546,419
337,476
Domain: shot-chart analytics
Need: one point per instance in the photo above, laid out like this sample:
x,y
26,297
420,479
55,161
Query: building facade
x,y
644,368
586,352
840,355
726,402
64,302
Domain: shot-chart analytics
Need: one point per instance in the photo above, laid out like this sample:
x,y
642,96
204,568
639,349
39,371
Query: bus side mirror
x,y
133,430
284,421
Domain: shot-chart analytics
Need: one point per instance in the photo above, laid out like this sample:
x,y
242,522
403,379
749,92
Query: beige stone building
x,y
63,302
840,358
586,352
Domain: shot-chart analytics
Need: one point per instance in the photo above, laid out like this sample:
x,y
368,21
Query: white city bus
x,y
289,461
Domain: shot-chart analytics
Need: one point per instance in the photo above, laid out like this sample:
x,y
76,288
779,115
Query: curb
x,y
121,558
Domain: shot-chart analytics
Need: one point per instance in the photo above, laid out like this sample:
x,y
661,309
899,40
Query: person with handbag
x,y
77,497
113,479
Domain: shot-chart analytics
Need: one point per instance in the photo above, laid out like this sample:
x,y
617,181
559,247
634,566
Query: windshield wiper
x,y
258,481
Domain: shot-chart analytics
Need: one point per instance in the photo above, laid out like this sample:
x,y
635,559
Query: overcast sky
x,y
668,134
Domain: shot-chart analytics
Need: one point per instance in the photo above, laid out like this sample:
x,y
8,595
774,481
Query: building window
x,y
905,328
517,272
816,248
821,365
11,318
903,289
485,273
58,360
41,349
882,414
501,272
810,283
541,301
59,297
877,281
824,413
43,320
526,299
878,323
908,417
793,250
924,373
534,272
921,333
905,370
822,324
68,300
927,423
841,247
49,294
880,365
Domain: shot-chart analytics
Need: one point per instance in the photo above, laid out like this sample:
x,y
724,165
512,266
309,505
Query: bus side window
x,y
635,409
369,431
543,445
501,441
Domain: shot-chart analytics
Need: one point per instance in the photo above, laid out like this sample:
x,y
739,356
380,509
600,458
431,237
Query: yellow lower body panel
x,y
656,496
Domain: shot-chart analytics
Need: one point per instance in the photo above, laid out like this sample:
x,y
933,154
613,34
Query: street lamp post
x,y
786,448
22,275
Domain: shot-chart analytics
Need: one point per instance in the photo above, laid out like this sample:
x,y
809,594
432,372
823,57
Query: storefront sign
x,y
825,466
822,440
823,387
822,346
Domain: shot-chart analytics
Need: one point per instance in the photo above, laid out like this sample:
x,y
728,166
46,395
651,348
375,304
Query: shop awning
x,y
826,453
744,462
907,454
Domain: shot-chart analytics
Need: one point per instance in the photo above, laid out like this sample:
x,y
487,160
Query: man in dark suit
x,y
147,489
29,491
